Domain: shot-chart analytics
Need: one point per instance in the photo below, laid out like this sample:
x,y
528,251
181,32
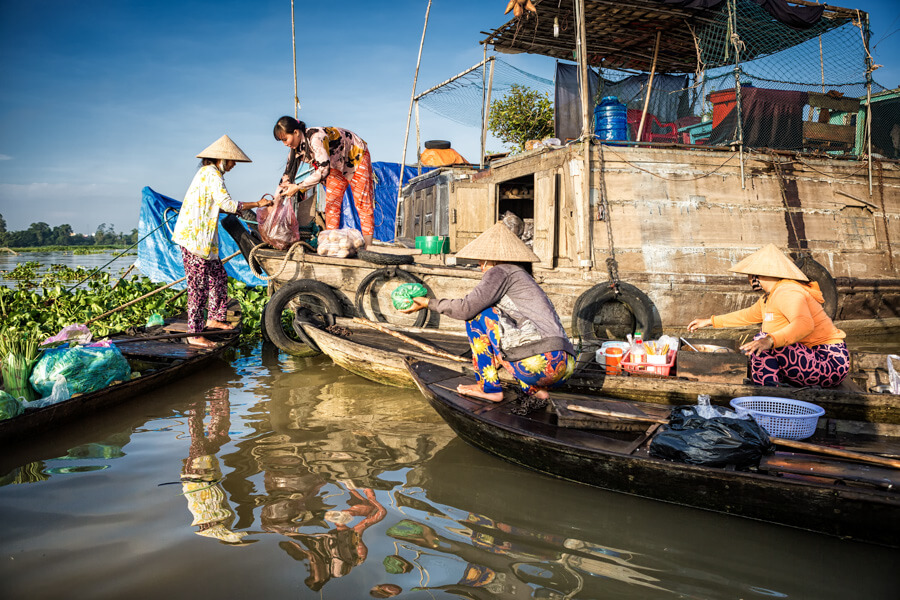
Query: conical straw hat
x,y
500,244
224,148
771,262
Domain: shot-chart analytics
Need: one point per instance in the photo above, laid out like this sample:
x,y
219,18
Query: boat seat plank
x,y
801,464
452,344
578,420
159,349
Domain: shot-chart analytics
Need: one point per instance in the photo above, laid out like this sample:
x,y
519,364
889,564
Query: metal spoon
x,y
689,344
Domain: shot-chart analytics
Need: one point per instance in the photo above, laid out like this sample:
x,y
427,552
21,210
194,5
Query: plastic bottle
x,y
638,353
611,119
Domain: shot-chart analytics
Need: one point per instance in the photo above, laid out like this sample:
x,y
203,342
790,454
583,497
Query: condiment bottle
x,y
638,353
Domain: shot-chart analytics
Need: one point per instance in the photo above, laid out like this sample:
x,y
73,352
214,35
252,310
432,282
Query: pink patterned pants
x,y
207,288
825,365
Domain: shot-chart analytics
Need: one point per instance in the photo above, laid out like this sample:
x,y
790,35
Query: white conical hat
x,y
500,244
771,262
224,148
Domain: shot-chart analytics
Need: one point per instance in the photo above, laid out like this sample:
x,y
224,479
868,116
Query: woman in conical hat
x,y
509,319
798,343
196,231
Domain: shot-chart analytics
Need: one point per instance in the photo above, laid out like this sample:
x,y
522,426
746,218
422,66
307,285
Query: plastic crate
x,y
649,367
781,417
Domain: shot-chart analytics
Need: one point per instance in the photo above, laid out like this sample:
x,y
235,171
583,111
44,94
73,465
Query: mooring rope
x,y
287,256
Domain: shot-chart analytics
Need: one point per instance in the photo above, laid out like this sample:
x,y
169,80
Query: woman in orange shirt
x,y
798,343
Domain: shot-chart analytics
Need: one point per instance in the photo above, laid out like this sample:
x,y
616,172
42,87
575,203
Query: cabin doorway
x,y
515,206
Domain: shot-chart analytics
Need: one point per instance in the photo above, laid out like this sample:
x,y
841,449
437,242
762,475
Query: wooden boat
x,y
836,497
379,356
377,352
160,355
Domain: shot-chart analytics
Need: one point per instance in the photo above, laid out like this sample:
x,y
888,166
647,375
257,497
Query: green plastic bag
x,y
9,407
155,320
404,293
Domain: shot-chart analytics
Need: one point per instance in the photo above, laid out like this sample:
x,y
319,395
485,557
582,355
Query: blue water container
x,y
611,119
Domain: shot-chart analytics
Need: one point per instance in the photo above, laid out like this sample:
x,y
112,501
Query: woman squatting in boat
x,y
510,321
798,343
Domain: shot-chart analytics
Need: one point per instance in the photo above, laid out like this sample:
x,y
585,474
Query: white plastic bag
x,y
893,378
59,394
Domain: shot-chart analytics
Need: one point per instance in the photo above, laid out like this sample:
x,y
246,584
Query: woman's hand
x,y
699,324
288,189
418,304
759,346
265,202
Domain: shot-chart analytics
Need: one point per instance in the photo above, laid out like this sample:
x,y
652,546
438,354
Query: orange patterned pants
x,y
362,184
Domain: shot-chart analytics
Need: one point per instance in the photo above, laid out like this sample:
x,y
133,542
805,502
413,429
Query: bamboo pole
x,y
483,100
124,275
487,111
585,250
649,86
409,117
422,346
148,294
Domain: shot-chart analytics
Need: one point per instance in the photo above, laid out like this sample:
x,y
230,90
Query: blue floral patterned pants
x,y
534,373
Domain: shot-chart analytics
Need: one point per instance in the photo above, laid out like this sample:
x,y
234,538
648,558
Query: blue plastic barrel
x,y
611,119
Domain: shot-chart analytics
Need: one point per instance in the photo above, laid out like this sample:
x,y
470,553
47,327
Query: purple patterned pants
x,y
825,365
207,288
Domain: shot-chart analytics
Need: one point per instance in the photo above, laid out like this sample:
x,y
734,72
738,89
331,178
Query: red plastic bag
x,y
278,225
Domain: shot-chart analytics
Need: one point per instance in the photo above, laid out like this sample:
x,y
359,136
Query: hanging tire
x,y
378,278
592,310
305,299
383,258
818,273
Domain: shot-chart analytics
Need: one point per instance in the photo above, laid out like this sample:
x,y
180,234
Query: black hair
x,y
286,125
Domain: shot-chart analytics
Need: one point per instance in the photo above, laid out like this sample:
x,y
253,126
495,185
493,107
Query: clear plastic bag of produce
x,y
86,369
403,294
9,406
278,225
716,442
339,243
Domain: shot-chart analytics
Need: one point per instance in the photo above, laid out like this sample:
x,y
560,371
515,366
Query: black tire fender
x,y
379,258
818,273
588,305
280,301
386,274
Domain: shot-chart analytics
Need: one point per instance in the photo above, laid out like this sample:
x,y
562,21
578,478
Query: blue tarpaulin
x,y
160,259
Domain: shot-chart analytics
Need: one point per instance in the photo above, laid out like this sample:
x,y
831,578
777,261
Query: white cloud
x,y
83,206
5,157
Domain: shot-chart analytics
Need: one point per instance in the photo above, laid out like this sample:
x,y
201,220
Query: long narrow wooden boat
x,y
160,355
835,497
381,358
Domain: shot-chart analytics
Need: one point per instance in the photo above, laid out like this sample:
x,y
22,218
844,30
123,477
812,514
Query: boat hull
x,y
866,515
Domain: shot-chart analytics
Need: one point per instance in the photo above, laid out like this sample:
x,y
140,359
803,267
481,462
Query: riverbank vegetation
x,y
44,237
39,307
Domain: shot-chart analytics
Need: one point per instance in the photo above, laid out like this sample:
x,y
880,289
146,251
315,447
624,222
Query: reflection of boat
x,y
159,355
380,357
842,498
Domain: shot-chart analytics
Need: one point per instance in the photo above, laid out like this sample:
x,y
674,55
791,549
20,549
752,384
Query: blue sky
x,y
99,98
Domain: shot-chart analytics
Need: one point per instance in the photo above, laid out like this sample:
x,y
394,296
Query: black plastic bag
x,y
713,442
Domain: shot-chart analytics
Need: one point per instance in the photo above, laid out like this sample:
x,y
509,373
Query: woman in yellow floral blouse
x,y
509,319
196,231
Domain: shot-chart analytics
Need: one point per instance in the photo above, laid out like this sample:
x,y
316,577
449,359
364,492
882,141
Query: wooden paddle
x,y
814,448
172,336
422,346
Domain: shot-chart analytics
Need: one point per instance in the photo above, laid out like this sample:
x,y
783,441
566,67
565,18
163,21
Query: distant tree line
x,y
41,234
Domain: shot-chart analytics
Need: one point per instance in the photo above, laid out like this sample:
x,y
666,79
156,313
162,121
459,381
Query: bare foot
x,y
201,342
211,324
475,391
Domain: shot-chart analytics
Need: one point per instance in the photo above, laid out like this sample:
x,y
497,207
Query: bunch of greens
x,y
18,353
